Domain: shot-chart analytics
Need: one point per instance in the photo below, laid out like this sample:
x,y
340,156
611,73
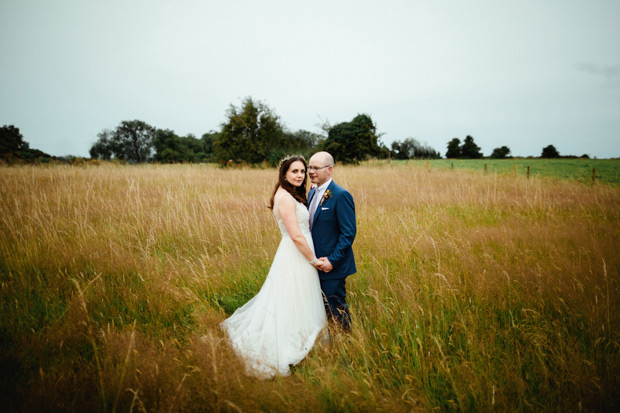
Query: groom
x,y
332,223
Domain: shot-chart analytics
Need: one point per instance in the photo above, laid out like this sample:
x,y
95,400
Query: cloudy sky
x,y
521,73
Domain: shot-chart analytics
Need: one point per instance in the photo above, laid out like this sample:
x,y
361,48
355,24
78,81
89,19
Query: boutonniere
x,y
326,195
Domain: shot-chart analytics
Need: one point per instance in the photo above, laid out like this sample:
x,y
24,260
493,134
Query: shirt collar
x,y
324,186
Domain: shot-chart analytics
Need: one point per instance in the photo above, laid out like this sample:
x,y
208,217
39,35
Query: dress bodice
x,y
302,216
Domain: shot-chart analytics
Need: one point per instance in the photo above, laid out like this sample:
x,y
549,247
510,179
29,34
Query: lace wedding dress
x,y
278,327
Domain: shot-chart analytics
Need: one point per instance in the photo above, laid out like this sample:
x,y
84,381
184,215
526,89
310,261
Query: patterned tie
x,y
313,204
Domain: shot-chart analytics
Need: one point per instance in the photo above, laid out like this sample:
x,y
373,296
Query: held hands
x,y
323,264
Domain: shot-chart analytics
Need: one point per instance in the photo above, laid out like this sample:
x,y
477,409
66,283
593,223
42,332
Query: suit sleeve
x,y
345,213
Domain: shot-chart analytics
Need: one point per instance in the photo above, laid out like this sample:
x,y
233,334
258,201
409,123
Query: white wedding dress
x,y
278,327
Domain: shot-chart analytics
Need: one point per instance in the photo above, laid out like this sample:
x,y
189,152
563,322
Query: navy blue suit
x,y
333,232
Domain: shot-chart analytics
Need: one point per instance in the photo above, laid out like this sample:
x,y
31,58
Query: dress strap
x,y
276,200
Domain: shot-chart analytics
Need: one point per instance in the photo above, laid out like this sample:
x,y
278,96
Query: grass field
x,y
475,292
579,170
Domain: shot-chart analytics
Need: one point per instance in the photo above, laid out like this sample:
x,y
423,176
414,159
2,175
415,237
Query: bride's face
x,y
296,173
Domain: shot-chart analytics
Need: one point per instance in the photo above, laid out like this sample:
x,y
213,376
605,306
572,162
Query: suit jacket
x,y
333,231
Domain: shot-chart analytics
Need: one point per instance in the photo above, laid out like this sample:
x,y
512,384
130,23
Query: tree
x,y
500,153
131,141
169,148
208,140
11,140
300,142
194,149
351,142
399,150
469,149
454,148
550,152
411,148
249,134
102,148
13,148
302,139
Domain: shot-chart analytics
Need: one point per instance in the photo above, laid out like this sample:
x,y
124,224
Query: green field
x,y
606,170
474,292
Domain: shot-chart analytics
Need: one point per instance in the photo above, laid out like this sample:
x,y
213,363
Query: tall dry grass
x,y
473,293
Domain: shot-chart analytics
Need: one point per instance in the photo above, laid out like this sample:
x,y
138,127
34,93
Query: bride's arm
x,y
286,209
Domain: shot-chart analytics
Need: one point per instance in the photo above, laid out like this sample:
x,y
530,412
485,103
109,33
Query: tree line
x,y
469,150
252,134
13,148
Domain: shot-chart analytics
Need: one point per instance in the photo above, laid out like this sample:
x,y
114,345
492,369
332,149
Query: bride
x,y
278,327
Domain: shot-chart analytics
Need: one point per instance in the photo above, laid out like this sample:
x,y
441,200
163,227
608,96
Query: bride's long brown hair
x,y
299,193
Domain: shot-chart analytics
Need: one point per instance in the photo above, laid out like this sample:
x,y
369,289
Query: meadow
x,y
576,169
474,291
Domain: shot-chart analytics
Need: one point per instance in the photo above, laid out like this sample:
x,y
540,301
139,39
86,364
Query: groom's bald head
x,y
324,158
320,167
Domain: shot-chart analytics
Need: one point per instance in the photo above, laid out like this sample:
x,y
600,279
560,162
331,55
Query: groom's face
x,y
318,171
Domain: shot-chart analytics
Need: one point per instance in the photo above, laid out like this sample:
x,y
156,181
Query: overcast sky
x,y
520,73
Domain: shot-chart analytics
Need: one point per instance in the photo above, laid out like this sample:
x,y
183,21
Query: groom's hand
x,y
326,266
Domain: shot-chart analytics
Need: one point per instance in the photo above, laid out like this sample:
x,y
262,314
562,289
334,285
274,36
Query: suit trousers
x,y
334,299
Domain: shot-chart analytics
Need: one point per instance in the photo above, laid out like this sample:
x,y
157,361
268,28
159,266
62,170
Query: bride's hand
x,y
318,263
327,266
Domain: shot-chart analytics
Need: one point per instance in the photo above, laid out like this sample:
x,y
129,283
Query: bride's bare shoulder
x,y
283,198
283,193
